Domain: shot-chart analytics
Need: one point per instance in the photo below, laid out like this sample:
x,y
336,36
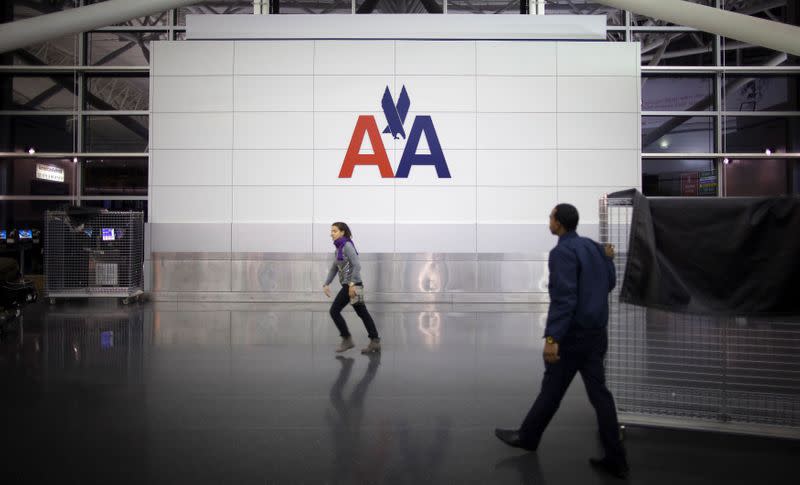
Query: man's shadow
x,y
346,425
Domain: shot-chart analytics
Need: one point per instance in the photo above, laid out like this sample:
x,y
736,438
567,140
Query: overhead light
x,y
664,143
31,151
768,151
726,161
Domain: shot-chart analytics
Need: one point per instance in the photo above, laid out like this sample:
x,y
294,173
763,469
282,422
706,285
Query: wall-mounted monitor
x,y
108,234
3,235
25,233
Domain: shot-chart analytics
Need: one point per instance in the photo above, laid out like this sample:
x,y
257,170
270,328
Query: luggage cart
x,y
94,255
674,370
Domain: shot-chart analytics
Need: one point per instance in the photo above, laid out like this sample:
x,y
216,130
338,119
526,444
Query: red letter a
x,y
366,124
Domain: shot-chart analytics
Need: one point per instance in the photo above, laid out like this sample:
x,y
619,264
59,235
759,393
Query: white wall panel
x,y
190,167
272,130
271,238
351,93
273,93
273,167
515,238
454,131
435,238
516,58
435,204
192,131
334,130
272,204
368,237
460,163
435,58
171,237
598,131
586,200
615,94
520,205
598,59
192,94
510,168
353,204
437,93
200,58
517,94
599,167
190,204
504,131
328,164
354,57
274,57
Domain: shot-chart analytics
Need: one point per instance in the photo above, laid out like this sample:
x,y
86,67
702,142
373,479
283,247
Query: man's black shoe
x,y
511,438
608,466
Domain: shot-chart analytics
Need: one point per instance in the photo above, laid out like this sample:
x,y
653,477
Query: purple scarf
x,y
339,243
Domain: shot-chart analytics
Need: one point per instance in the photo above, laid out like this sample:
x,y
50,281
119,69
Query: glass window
x,y
128,92
480,6
737,53
27,214
679,178
408,6
645,21
677,134
155,19
38,93
61,51
614,16
761,93
220,7
315,6
115,176
615,35
676,48
677,93
121,48
776,11
32,176
757,134
119,205
44,133
757,177
119,133
25,9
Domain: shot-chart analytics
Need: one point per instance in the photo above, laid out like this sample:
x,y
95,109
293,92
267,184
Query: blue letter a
x,y
410,156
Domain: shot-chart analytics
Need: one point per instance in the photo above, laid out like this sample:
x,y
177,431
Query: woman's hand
x,y
352,291
327,290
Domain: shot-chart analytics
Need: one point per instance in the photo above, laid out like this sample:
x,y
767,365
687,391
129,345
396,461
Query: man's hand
x,y
327,290
352,291
609,250
551,353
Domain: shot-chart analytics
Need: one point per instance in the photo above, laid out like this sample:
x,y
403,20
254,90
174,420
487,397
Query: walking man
x,y
581,276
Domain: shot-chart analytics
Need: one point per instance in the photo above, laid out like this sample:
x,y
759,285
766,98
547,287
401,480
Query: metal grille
x,y
738,374
99,256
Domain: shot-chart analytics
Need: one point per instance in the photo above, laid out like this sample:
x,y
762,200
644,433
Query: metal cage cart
x,y
729,374
94,254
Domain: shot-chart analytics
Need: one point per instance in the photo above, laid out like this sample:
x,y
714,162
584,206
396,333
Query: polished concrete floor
x,y
240,394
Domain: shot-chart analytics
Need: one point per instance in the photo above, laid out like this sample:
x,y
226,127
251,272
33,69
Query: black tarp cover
x,y
723,256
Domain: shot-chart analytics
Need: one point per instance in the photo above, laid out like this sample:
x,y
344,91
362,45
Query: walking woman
x,y
348,266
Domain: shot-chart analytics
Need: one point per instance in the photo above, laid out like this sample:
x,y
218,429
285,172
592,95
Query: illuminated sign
x,y
49,172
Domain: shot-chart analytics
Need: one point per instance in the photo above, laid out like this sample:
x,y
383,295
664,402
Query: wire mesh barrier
x,y
735,374
95,255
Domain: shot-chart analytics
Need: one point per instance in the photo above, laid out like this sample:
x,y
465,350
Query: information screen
x,y
3,235
25,234
108,234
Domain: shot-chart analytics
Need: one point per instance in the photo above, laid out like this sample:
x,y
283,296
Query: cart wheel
x,y
52,301
622,432
125,301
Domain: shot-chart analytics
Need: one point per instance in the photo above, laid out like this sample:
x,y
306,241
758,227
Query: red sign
x,y
690,184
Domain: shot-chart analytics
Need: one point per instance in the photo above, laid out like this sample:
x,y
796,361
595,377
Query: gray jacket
x,y
349,268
